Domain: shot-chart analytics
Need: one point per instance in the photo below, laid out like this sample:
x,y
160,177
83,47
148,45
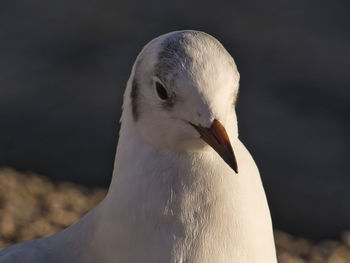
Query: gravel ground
x,y
32,206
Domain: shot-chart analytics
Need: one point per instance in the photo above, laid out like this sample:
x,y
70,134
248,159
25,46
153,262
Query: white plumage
x,y
173,198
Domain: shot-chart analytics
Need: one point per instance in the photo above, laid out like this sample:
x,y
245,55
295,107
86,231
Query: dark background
x,y
64,65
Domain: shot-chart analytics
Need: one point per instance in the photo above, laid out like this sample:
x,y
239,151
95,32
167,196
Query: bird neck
x,y
147,178
182,200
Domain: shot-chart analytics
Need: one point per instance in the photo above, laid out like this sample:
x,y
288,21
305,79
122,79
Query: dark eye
x,y
161,91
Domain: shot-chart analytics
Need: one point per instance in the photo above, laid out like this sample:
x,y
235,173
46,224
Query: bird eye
x,y
161,91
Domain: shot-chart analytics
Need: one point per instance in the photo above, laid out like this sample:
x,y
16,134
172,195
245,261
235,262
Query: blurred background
x,y
64,65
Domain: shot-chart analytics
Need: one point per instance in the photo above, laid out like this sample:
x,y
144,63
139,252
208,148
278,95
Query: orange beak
x,y
216,136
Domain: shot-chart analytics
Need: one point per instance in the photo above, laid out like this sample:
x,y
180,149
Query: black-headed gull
x,y
184,188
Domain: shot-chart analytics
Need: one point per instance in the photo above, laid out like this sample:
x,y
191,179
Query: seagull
x,y
184,188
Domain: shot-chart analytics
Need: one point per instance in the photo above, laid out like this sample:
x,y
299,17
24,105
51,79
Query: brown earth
x,y
32,206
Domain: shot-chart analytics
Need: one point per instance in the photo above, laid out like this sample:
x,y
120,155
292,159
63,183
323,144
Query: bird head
x,y
181,94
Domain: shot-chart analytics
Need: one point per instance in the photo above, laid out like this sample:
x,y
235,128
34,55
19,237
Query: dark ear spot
x,y
235,97
134,96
